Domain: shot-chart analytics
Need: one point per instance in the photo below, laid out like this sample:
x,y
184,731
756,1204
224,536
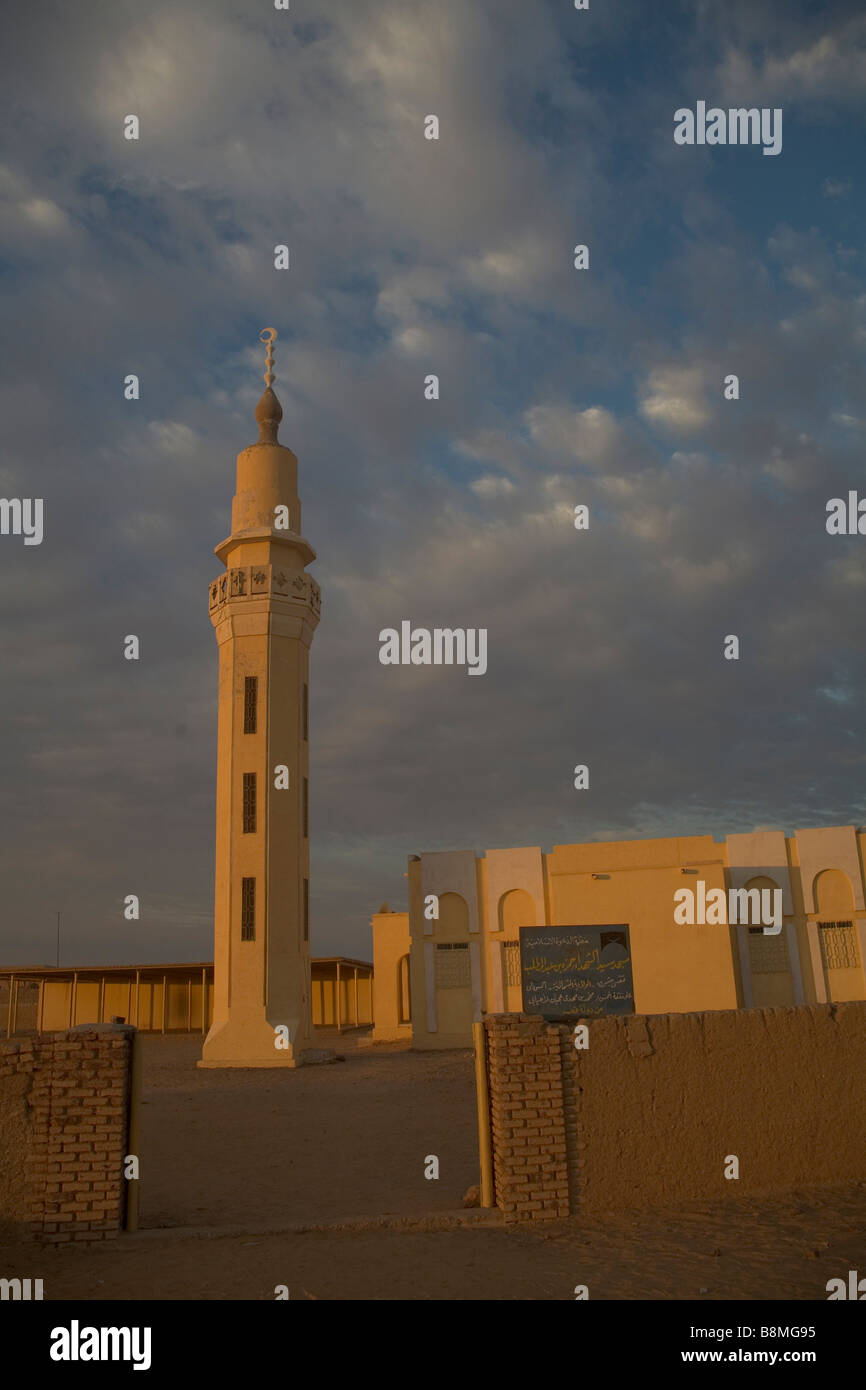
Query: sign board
x,y
576,970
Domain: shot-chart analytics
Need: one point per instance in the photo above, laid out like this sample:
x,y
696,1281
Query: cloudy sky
x,y
558,387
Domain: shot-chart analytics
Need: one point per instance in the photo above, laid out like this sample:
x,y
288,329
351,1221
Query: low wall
x,y
64,1125
655,1108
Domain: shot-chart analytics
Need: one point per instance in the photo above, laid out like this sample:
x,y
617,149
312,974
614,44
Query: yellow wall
x,y
391,1002
183,1011
183,1003
676,968
324,994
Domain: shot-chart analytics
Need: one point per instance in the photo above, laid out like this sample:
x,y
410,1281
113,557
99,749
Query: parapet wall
x,y
654,1111
64,1125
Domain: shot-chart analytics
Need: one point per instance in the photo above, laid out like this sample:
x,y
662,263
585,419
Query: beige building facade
x,y
464,962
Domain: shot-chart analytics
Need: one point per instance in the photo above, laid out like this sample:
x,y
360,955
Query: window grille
x,y
453,970
248,909
839,945
511,957
768,954
251,700
249,803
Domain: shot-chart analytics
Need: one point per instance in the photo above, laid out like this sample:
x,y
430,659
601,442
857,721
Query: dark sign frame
x,y
576,972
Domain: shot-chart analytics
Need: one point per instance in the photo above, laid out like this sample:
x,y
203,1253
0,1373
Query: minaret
x,y
264,609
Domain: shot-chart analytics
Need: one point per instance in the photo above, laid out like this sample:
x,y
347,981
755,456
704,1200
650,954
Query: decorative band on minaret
x,y
265,609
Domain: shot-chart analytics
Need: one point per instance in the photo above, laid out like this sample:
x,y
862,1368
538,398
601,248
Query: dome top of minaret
x,y
269,412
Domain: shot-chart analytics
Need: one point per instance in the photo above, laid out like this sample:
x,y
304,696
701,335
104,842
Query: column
x,y
745,966
430,986
817,962
475,969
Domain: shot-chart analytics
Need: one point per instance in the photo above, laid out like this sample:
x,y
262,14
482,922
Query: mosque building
x,y
455,955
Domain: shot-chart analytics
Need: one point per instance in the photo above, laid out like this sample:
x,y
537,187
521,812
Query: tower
x,y
264,609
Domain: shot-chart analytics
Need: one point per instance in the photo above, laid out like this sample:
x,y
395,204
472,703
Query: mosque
x,y
455,955
438,970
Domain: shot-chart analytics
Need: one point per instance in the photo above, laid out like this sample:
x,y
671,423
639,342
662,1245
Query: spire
x,y
269,412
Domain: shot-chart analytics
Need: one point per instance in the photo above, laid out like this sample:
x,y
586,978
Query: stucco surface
x,y
661,1106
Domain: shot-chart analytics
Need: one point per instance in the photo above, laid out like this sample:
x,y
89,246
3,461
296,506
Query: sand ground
x,y
228,1148
231,1159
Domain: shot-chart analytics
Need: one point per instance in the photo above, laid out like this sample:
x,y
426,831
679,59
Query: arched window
x,y
404,997
768,954
834,895
453,923
834,900
516,909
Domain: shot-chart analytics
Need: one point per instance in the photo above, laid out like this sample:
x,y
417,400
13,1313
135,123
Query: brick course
x,y
64,1107
527,1117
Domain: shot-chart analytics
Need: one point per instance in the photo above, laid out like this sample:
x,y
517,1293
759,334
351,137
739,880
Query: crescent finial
x,y
269,336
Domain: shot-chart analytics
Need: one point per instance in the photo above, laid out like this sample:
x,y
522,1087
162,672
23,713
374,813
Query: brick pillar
x,y
72,1131
575,1142
530,1158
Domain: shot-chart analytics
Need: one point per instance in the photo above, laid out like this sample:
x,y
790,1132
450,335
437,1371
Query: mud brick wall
x,y
64,1122
527,1117
648,1114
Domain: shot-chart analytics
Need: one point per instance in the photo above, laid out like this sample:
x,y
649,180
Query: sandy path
x,y
244,1147
774,1250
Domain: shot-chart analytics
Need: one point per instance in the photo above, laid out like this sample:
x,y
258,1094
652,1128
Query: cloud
x,y
591,436
491,486
828,66
557,388
675,398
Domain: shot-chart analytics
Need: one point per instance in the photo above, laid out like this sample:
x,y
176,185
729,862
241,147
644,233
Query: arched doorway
x,y
453,968
837,933
516,910
769,957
